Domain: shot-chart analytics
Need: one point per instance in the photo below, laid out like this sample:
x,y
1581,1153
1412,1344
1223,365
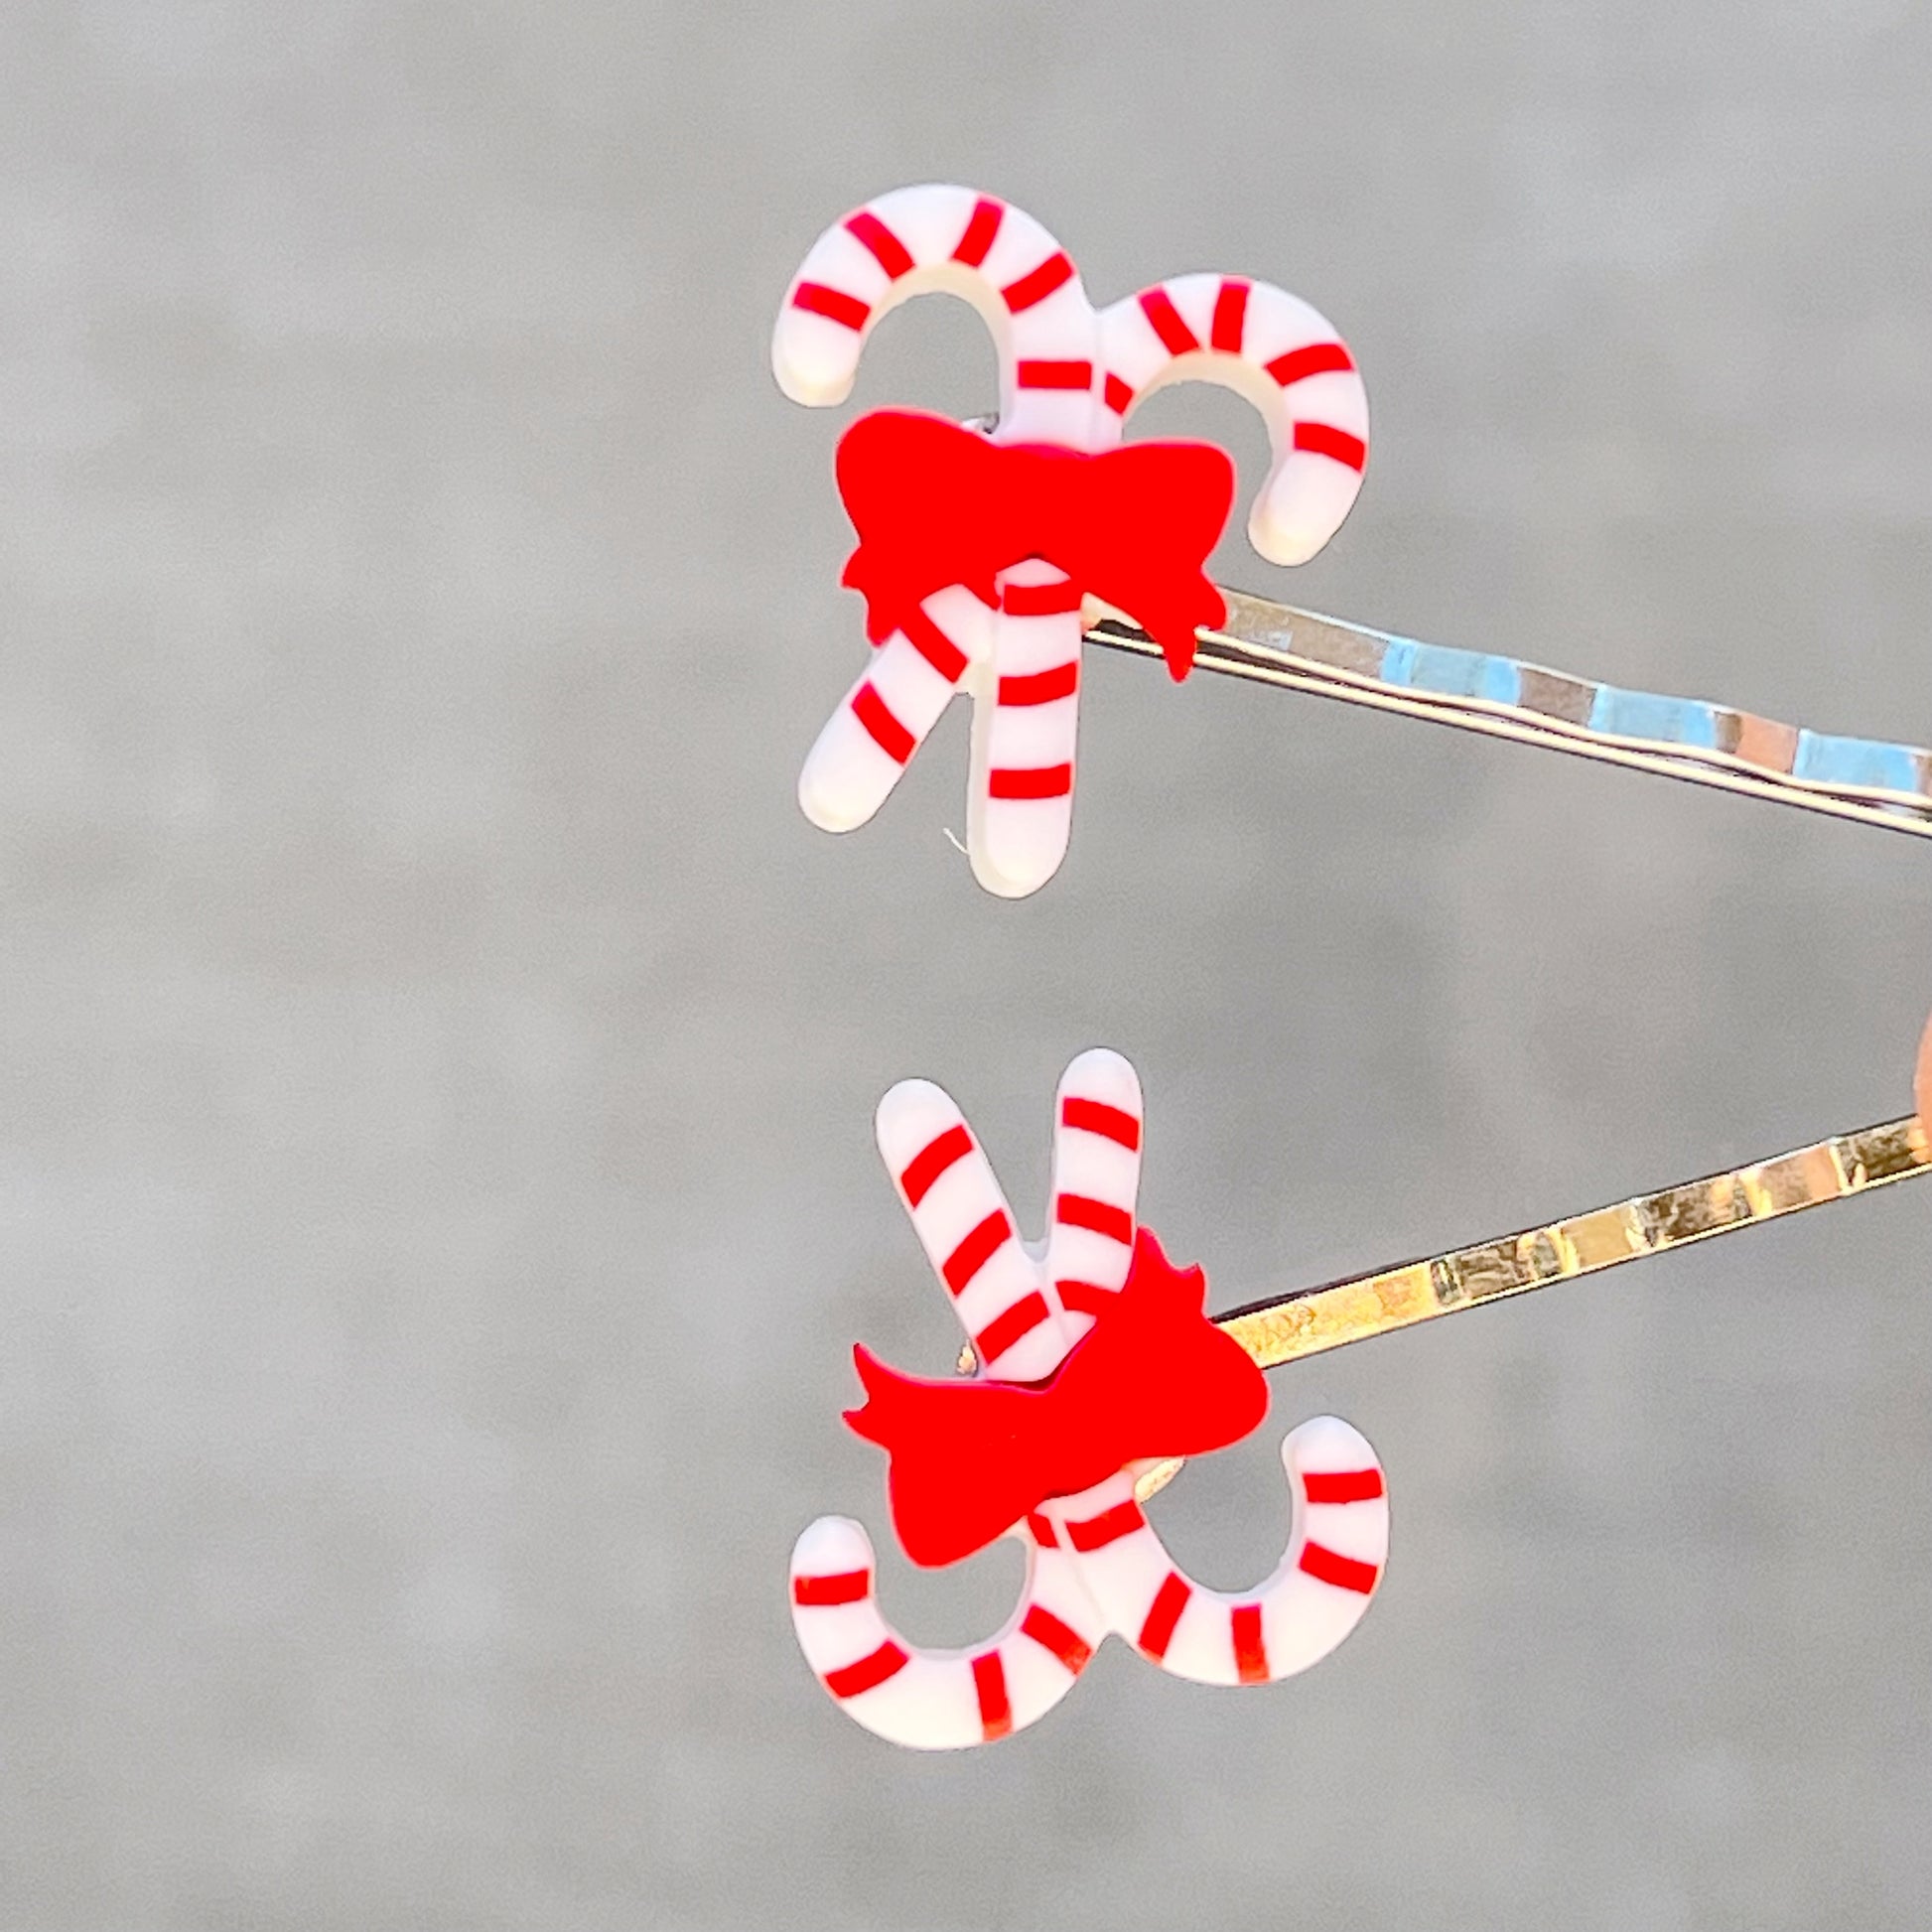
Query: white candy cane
x,y
1338,1534
1249,337
1021,662
1009,1301
1278,352
1094,1565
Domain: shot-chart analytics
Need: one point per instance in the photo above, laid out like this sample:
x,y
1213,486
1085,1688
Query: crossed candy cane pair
x,y
1094,1565
1069,380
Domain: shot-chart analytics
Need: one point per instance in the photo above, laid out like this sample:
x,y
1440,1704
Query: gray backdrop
x,y
439,1061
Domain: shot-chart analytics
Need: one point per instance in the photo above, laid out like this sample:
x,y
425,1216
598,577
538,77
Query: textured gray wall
x,y
438,1060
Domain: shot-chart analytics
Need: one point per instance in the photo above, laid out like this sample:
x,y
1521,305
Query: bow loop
x,y
936,505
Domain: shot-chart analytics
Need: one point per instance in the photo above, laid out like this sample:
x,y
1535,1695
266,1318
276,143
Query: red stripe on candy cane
x,y
1316,358
823,1592
1096,1117
1042,687
1108,1527
1025,1316
1176,337
1327,1566
976,1251
989,1687
1342,1485
832,304
1042,781
1041,1529
1322,439
1096,1216
1084,1298
1116,394
932,1159
883,728
1052,599
1250,1647
1230,318
1038,284
1036,374
934,645
1052,1635
887,250
868,1673
981,231
1162,1614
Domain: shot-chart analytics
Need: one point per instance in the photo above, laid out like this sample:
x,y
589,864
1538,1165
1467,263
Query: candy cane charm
x,y
1015,1319
1281,355
953,241
976,547
1093,1353
918,241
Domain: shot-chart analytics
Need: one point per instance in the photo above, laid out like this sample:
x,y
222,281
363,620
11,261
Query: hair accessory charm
x,y
1096,1359
978,545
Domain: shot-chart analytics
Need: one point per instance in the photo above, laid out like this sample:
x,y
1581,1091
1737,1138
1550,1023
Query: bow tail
x,y
1156,512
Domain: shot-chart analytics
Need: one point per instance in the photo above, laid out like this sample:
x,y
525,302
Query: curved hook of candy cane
x,y
1281,355
1338,1542
936,1700
935,239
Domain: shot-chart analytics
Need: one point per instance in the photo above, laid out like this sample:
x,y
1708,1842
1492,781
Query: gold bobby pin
x,y
1311,1321
1869,780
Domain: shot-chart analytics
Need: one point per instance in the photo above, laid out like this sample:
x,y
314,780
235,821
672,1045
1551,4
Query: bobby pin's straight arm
x,y
1311,1321
1867,780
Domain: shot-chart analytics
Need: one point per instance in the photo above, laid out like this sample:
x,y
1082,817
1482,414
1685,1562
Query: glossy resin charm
x,y
978,544
1095,1358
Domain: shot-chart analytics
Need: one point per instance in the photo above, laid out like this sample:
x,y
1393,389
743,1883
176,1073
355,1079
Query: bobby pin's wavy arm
x,y
1869,781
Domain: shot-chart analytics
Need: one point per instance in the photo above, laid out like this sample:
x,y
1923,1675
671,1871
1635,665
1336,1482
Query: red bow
x,y
1152,1377
936,505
